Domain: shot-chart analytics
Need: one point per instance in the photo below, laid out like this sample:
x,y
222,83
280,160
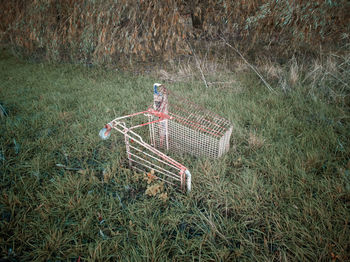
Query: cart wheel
x,y
105,132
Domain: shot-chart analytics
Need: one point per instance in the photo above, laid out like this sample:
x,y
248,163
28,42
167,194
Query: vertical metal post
x,y
151,131
127,146
165,111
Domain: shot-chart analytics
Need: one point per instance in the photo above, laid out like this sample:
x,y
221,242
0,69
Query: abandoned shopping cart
x,y
177,125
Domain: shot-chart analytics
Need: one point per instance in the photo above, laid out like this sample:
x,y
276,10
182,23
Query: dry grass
x,y
254,141
86,32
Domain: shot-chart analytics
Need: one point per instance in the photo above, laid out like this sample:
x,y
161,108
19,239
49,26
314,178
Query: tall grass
x,y
120,32
281,193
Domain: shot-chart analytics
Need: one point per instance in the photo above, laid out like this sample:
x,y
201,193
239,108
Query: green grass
x,y
281,193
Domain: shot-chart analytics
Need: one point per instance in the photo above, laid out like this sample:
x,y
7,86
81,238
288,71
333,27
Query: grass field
x,y
282,192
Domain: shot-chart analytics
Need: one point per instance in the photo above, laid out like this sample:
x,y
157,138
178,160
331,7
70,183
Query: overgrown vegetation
x,y
281,193
279,70
118,32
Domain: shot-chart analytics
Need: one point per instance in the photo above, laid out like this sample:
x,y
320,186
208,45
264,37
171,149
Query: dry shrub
x,y
269,68
294,72
107,31
214,69
95,31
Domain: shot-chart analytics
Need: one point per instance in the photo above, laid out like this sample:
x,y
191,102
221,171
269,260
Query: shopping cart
x,y
177,125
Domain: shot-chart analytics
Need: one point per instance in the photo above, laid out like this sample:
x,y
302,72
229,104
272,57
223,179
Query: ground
x,y
281,193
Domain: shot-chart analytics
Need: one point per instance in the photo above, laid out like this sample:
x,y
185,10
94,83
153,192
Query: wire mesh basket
x,y
177,125
189,128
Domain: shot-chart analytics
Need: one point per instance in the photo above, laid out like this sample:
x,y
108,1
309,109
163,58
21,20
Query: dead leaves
x,y
163,196
157,190
154,188
150,177
238,163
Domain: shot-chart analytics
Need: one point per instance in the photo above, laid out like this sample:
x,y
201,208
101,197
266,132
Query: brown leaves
x,y
154,187
150,177
157,190
163,196
153,190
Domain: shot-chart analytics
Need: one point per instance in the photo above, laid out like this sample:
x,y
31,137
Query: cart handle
x,y
105,132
